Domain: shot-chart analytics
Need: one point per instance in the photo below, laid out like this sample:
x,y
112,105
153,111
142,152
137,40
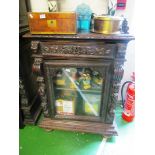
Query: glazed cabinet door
x,y
78,89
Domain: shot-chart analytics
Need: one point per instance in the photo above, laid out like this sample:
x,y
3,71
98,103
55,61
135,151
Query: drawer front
x,y
69,49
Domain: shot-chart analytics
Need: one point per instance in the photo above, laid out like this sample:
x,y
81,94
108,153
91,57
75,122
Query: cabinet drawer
x,y
78,49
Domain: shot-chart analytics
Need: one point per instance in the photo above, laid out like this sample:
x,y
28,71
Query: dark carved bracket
x,y
121,51
34,46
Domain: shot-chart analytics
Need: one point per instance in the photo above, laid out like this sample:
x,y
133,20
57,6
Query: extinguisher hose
x,y
123,101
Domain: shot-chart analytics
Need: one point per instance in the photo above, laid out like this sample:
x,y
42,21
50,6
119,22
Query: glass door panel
x,y
78,91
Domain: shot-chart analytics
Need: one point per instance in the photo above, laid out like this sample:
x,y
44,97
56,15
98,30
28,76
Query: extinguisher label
x,y
129,105
129,109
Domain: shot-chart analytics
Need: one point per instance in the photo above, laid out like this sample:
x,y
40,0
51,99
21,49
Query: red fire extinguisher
x,y
129,102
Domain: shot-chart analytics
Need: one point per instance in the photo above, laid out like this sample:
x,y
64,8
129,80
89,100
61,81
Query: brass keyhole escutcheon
x,y
51,23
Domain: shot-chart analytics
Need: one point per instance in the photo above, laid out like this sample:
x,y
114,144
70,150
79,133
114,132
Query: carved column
x,y
37,69
42,93
118,73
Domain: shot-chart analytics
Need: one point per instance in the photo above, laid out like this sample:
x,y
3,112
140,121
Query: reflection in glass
x,y
78,91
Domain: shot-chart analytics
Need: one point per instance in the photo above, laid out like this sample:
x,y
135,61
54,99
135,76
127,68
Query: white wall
x,y
97,6
38,5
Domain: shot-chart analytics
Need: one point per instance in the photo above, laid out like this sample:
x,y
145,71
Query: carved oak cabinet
x,y
79,78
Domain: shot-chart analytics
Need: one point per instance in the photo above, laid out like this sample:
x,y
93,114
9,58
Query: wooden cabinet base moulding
x,y
78,79
86,126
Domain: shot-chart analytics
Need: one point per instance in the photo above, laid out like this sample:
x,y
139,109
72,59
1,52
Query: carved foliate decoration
x,y
121,50
23,94
117,77
44,106
121,47
115,87
34,46
41,89
42,93
40,79
36,66
118,74
78,50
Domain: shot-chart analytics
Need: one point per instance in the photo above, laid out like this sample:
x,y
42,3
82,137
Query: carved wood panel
x,y
121,51
34,46
43,95
69,49
36,66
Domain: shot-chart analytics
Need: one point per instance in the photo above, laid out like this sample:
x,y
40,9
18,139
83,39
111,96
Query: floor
x,y
36,141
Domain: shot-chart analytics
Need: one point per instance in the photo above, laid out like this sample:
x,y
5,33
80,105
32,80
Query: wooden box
x,y
52,23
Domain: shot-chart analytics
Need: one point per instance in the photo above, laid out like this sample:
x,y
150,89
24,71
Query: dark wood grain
x,y
86,36
52,22
85,126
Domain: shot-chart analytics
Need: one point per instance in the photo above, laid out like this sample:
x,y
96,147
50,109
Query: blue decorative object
x,y
84,17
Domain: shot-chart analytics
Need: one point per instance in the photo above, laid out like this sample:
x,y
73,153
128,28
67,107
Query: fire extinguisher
x,y
128,104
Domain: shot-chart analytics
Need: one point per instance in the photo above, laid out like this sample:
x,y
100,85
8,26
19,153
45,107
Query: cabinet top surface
x,y
88,36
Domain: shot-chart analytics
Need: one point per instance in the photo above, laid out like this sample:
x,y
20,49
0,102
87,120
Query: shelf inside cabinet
x,y
82,90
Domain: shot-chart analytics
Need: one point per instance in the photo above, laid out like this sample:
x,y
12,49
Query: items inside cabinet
x,y
77,91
